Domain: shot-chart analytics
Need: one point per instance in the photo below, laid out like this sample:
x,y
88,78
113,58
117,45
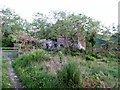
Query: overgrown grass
x,y
77,73
34,75
5,76
70,76
34,56
103,74
30,70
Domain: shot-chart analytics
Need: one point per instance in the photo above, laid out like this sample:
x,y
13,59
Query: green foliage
x,y
66,51
70,76
93,56
67,24
77,52
89,57
98,56
34,56
34,77
30,70
73,75
5,76
8,41
60,56
12,25
111,55
100,74
101,79
106,73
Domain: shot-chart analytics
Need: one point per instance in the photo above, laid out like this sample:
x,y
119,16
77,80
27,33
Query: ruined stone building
x,y
28,42
58,43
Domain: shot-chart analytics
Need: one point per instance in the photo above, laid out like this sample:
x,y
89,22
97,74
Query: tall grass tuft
x,y
70,76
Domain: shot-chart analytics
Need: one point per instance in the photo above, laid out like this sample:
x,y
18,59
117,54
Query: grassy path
x,y
9,79
13,78
5,76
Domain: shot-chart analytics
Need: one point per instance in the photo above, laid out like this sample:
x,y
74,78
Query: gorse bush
x,y
70,76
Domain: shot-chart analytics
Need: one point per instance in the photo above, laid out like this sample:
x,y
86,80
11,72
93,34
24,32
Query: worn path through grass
x,y
9,78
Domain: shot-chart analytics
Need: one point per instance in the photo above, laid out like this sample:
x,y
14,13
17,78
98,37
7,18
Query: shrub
x,y
70,76
34,56
89,57
67,50
76,53
96,55
105,80
31,72
8,41
39,79
33,78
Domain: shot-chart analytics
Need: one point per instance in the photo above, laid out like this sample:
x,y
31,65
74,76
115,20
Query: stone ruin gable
x,y
69,41
42,43
56,43
61,42
49,44
76,44
80,40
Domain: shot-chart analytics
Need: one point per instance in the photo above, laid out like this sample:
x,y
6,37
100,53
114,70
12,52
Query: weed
x,y
70,76
89,57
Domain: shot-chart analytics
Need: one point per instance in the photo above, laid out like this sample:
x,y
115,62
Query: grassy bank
x,y
5,75
38,69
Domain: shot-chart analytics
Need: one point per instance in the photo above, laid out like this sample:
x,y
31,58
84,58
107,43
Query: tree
x,y
12,24
66,25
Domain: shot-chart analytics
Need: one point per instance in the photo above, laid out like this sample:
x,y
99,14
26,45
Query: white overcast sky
x,y
105,11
